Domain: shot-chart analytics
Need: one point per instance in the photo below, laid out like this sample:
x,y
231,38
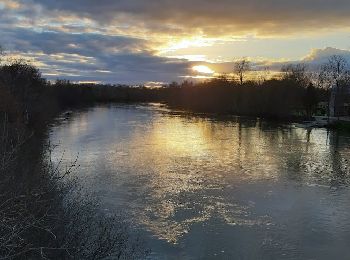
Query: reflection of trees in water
x,y
340,162
319,158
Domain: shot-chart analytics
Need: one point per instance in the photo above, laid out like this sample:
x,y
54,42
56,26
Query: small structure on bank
x,y
335,112
339,104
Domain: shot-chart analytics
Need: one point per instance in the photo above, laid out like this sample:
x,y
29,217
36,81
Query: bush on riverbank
x,y
47,215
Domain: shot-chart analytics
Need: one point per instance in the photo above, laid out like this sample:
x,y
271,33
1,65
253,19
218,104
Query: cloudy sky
x,y
139,41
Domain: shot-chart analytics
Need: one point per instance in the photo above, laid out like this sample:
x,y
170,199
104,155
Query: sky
x,y
159,41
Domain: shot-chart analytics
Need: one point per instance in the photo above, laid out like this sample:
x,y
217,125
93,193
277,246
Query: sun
x,y
203,69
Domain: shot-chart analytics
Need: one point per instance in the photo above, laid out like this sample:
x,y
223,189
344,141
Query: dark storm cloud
x,y
268,16
114,59
54,42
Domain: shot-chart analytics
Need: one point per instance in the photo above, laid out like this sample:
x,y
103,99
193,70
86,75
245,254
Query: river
x,y
209,187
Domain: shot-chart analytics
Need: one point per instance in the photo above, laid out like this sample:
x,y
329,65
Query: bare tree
x,y
1,53
241,67
335,71
264,75
335,75
297,73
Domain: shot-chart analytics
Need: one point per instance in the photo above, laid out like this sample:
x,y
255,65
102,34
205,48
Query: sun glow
x,y
203,69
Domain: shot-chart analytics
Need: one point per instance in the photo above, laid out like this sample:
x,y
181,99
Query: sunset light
x,y
203,69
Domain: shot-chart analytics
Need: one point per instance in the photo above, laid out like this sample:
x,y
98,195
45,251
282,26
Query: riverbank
x,y
335,123
341,125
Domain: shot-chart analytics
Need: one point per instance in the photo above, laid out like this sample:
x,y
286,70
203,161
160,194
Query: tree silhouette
x,y
335,71
297,73
241,67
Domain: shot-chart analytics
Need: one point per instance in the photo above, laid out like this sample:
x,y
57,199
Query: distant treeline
x,y
32,100
272,98
297,92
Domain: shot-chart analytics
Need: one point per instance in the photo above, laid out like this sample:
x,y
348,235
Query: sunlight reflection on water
x,y
172,172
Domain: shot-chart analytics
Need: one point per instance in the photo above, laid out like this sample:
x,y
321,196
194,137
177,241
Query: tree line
x,y
295,93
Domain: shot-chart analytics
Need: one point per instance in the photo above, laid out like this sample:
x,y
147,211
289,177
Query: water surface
x,y
214,187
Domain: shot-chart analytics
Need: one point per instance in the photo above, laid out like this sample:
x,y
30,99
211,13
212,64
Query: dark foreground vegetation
x,y
44,214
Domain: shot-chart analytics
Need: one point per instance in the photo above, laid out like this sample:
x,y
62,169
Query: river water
x,y
198,187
